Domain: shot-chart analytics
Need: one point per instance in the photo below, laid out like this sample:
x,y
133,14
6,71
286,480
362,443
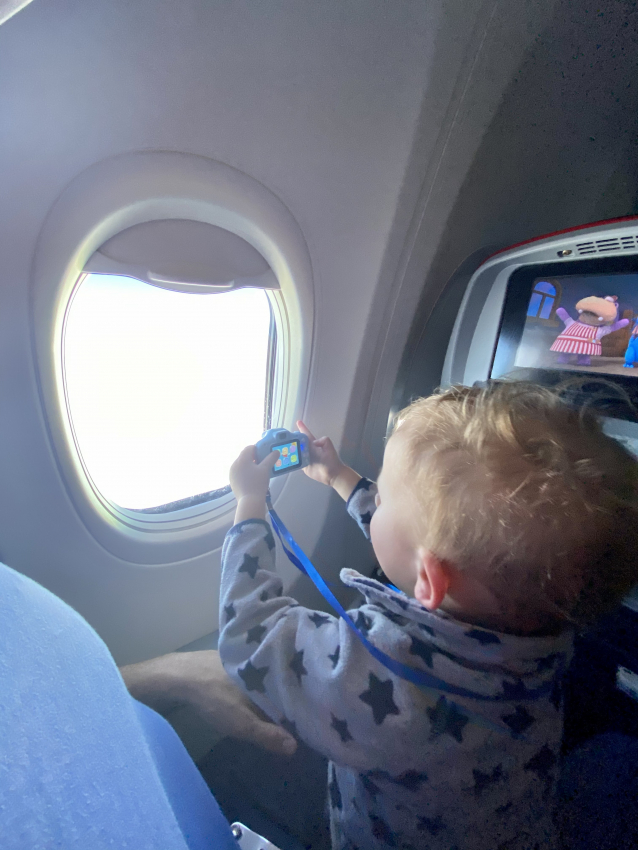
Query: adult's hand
x,y
198,680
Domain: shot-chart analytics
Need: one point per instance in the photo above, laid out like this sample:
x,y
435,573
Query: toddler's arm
x,y
298,665
328,468
305,669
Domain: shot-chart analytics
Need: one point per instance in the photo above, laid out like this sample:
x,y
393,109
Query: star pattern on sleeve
x,y
249,565
542,763
253,677
373,584
379,697
514,692
432,825
556,696
422,649
411,780
333,788
397,619
427,629
341,728
547,662
379,775
255,634
484,780
297,665
366,518
229,611
371,787
318,619
519,721
445,718
335,656
484,638
270,540
263,596
363,623
382,831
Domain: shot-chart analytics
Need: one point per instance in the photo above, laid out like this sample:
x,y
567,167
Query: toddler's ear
x,y
432,582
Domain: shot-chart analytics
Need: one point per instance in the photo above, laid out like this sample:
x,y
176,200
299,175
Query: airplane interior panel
x,y
228,219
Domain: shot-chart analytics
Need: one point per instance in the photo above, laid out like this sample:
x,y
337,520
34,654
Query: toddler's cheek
x,y
376,538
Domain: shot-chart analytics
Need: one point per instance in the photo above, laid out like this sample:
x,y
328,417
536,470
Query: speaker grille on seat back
x,y
603,246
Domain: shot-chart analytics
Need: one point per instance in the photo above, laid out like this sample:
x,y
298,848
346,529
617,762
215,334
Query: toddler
x,y
505,517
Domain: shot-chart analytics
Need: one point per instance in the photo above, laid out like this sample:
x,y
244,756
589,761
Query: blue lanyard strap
x,y
419,678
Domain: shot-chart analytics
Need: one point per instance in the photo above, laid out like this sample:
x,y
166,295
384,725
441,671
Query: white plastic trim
x,y
103,200
9,8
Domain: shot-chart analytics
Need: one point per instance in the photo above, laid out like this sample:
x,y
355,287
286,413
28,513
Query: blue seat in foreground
x,y
82,764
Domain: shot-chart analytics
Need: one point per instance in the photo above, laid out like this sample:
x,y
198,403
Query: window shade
x,y
184,256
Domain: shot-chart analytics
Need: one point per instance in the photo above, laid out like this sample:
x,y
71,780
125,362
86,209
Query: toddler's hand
x,y
249,479
325,464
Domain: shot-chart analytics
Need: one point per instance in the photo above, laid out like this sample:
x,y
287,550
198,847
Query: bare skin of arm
x,y
197,680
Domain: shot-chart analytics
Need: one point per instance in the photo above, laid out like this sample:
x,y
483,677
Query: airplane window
x,y
164,388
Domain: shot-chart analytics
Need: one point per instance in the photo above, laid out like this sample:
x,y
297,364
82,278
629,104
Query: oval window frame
x,y
103,200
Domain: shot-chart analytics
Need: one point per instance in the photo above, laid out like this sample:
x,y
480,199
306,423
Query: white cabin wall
x,y
317,101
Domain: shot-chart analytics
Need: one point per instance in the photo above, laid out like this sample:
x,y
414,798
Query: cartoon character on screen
x,y
631,355
597,317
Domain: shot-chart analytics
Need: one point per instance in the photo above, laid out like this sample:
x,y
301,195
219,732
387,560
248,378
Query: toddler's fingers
x,y
270,459
304,429
246,455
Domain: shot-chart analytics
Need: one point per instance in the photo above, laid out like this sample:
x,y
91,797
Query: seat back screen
x,y
583,323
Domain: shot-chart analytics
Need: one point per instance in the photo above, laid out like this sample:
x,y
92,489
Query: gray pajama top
x,y
409,768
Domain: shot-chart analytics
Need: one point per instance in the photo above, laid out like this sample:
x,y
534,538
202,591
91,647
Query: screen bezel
x,y
290,466
514,315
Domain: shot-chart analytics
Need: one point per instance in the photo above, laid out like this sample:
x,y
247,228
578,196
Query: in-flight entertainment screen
x,y
583,323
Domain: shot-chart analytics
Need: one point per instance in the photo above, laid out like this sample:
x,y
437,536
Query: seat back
x,y
81,763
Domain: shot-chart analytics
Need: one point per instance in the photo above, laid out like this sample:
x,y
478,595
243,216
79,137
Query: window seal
x,y
181,504
270,368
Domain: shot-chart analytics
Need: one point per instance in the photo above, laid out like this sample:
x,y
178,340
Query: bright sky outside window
x,y
164,388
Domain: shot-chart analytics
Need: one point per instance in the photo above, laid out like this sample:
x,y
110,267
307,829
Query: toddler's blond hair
x,y
527,492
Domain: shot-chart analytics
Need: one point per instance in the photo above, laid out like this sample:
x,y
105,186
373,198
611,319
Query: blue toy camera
x,y
291,445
